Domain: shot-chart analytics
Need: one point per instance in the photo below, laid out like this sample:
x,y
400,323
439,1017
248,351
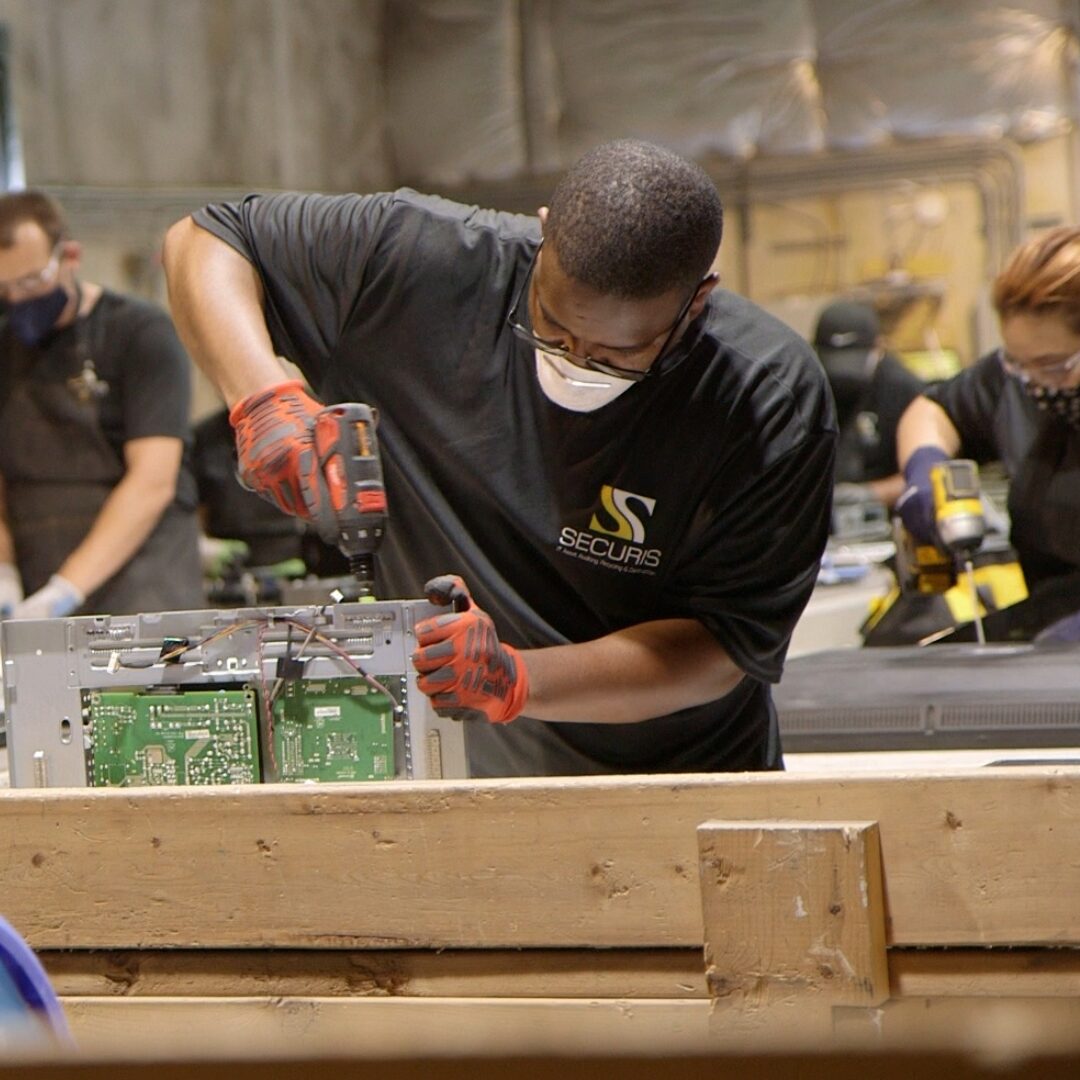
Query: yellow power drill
x,y
960,526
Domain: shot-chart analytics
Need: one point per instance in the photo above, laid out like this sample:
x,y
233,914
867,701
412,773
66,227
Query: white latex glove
x,y
55,599
11,590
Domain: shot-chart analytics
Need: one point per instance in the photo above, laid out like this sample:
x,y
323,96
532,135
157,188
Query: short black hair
x,y
635,220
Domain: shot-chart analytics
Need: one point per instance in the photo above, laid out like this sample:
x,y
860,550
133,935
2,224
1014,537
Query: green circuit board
x,y
333,729
190,737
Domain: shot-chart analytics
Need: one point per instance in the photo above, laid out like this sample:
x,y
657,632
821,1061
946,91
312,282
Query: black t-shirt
x,y
998,421
867,447
142,370
703,494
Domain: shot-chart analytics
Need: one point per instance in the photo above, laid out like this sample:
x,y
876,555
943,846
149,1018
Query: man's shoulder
x,y
758,349
463,218
742,326
769,376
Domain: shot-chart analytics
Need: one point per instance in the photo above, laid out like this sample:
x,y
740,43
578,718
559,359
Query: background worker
x,y
1020,405
628,467
94,400
872,388
230,511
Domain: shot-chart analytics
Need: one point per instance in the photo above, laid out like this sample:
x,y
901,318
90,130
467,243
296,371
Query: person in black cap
x,y
872,389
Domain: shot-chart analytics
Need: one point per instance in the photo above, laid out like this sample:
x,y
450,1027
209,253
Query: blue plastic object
x,y
26,995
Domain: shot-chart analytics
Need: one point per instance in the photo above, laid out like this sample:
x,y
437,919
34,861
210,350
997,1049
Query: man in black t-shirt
x,y
627,468
872,389
98,500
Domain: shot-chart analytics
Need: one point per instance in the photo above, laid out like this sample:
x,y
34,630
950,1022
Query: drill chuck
x,y
362,567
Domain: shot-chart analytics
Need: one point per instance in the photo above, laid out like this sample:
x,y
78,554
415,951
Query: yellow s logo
x,y
616,503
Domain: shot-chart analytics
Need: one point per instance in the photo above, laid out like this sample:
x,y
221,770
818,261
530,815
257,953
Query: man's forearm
x,y
127,517
216,300
631,675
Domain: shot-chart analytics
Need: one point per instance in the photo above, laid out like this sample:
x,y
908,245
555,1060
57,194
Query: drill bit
x,y
980,632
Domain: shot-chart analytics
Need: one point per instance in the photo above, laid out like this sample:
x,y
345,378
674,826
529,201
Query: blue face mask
x,y
32,320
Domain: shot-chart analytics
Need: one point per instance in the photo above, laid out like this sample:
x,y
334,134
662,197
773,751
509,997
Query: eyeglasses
x,y
1054,372
29,283
663,363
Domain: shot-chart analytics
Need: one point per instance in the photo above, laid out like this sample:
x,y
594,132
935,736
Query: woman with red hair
x,y
1019,405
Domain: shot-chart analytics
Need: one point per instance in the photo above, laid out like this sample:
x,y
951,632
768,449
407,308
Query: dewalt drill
x,y
348,456
960,525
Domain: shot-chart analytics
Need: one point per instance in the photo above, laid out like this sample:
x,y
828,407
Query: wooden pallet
x,y
633,915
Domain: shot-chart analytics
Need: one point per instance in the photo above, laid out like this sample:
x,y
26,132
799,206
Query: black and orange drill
x,y
348,454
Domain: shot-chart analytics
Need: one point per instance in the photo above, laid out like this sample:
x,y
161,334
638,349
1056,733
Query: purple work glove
x,y
916,505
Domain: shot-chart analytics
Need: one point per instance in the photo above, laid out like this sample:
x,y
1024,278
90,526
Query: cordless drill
x,y
960,525
348,454
958,512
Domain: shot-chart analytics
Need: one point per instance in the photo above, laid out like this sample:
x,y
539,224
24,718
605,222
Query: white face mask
x,y
576,388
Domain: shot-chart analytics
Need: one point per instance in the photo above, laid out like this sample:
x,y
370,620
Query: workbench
x,y
602,918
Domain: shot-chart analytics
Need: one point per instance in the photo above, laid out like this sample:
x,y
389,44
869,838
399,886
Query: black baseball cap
x,y
847,324
845,340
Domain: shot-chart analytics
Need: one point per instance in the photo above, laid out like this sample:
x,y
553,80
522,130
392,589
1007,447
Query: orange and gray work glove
x,y
464,668
275,449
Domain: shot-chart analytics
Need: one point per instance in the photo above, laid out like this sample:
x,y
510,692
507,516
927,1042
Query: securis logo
x,y
616,535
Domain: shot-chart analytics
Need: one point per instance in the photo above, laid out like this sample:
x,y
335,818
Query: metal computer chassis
x,y
48,664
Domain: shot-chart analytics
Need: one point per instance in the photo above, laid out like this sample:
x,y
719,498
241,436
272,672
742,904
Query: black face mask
x,y
33,320
1061,402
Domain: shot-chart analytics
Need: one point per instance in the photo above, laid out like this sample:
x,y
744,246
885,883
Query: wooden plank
x,y
372,1026
547,973
757,1065
940,973
793,910
590,862
999,1032
563,973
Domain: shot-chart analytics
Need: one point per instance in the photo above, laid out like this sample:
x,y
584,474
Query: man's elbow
x,y
156,493
176,237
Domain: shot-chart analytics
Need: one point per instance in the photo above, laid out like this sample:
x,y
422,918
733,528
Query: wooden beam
x,y
941,973
372,1026
793,910
1001,1032
492,973
550,973
590,862
251,1064
998,1032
